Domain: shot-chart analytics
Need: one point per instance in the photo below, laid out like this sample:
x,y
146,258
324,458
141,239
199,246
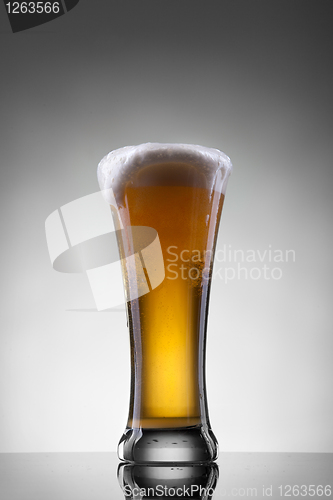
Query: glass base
x,y
194,445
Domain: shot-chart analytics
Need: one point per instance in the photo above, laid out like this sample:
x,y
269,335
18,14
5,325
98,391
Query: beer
x,y
177,195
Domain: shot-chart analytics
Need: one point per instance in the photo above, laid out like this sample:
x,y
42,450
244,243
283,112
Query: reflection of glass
x,y
148,481
178,190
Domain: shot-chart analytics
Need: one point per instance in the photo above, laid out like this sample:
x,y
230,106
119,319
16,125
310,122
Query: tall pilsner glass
x,y
178,190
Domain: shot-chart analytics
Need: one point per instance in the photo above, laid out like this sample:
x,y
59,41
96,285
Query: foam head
x,y
173,163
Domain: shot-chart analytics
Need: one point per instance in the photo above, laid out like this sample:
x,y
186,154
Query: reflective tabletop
x,y
100,476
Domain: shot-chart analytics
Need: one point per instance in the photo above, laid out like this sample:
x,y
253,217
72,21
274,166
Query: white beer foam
x,y
120,164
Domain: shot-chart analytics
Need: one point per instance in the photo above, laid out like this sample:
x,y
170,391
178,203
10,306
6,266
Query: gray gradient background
x,y
253,78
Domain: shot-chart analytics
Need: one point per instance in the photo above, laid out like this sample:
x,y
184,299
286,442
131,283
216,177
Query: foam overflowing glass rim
x,y
124,161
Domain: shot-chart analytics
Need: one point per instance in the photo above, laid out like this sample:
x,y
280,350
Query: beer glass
x,y
178,191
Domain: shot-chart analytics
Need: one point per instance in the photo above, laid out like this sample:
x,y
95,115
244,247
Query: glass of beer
x,y
178,191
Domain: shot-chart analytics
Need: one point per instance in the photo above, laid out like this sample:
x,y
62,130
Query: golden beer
x,y
179,193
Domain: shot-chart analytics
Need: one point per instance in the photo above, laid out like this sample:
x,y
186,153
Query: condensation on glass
x,y
178,190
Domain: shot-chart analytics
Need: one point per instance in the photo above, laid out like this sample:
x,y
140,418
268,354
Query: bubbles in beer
x,y
178,190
